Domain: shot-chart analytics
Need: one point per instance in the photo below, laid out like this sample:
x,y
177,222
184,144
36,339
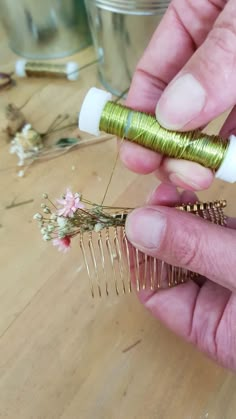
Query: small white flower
x,y
38,216
61,234
43,205
98,227
44,230
62,222
21,173
26,129
45,196
13,147
46,237
53,217
51,228
47,210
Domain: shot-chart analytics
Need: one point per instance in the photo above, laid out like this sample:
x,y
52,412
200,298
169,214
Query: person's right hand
x,y
190,66
202,312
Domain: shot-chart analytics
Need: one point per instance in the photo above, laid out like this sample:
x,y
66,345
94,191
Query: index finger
x,y
169,49
183,28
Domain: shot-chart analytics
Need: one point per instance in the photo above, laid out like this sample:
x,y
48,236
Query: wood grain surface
x,y
62,354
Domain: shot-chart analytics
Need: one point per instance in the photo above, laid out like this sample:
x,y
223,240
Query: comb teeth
x,y
113,264
199,206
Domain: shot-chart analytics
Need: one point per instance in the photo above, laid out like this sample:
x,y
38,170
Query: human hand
x,y
191,58
205,314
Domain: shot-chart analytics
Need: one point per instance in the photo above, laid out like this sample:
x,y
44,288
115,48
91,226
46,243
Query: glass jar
x,y
121,30
46,28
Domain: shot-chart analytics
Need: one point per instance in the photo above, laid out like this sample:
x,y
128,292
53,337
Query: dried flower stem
x,y
72,217
18,204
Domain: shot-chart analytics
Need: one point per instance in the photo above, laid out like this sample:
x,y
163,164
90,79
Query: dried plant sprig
x,y
12,120
26,144
6,80
71,215
30,145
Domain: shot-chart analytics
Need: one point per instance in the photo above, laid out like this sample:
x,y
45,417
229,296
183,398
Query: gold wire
x,y
37,69
143,129
57,70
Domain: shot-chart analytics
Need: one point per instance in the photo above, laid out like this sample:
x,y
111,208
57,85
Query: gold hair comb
x,y
112,263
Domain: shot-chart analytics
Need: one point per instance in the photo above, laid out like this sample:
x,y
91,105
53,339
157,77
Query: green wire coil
x,y
143,129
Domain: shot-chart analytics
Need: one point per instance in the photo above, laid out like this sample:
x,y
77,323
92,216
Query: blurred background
x,y
59,28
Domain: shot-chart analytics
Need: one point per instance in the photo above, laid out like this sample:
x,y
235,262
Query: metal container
x,y
121,30
41,29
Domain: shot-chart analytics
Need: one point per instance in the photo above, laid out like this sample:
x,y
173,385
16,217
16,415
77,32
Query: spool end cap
x,y
91,110
227,170
72,71
20,68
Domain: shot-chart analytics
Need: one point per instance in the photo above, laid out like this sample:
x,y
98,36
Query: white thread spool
x,y
70,70
91,113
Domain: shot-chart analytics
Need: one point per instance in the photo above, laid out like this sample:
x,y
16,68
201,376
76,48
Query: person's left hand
x,y
205,314
187,77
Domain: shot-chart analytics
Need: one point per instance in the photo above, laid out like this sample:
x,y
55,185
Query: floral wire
x,y
121,95
49,200
117,154
103,207
88,213
31,97
87,65
106,206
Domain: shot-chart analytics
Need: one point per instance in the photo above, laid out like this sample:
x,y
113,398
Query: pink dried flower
x,y
70,204
63,244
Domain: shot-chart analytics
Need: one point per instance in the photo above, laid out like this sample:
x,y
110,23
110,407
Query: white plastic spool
x,y
92,109
72,69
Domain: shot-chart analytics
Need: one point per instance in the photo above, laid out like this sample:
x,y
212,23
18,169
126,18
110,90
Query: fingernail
x,y
195,183
181,102
184,182
145,228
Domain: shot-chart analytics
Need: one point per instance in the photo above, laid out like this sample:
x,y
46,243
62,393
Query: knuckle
x,y
189,256
217,55
218,4
188,253
224,38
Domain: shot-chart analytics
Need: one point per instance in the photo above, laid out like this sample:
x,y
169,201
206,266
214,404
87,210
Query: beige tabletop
x,y
63,354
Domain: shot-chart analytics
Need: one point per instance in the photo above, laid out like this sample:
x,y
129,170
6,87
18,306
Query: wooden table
x,y
62,354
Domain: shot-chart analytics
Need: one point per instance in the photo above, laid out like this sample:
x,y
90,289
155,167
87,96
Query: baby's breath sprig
x,y
74,215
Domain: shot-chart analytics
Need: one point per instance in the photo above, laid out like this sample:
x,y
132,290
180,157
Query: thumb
x,y
205,86
184,240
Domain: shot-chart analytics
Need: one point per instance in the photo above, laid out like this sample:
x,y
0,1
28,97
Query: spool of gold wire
x,y
144,129
99,113
69,70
